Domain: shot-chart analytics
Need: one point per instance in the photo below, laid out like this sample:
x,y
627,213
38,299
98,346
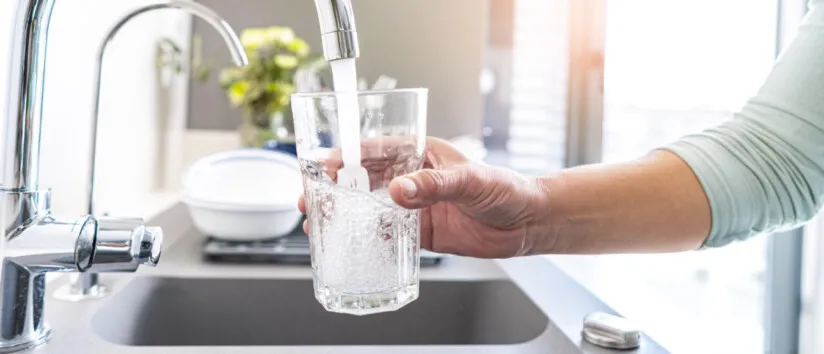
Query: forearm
x,y
655,204
762,171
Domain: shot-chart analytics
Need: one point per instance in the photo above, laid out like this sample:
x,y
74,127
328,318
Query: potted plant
x,y
262,89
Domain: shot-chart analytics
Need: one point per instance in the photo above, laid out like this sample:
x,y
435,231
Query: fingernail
x,y
410,189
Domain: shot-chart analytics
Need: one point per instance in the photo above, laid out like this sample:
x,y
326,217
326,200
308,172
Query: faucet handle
x,y
150,246
124,244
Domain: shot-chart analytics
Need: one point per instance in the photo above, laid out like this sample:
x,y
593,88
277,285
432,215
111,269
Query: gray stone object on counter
x,y
189,305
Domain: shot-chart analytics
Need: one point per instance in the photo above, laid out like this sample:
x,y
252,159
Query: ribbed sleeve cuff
x,y
720,174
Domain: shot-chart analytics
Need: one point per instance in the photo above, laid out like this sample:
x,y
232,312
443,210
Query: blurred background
x,y
532,85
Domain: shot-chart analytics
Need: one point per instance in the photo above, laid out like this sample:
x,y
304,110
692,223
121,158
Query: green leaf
x,y
171,43
287,62
229,76
203,72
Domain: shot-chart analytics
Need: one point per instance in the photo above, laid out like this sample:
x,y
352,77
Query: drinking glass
x,y
365,249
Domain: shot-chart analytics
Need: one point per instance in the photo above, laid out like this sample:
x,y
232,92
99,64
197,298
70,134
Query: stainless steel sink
x,y
189,305
164,311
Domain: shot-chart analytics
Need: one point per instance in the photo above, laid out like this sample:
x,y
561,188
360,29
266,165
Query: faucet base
x,y
70,293
23,208
81,287
33,341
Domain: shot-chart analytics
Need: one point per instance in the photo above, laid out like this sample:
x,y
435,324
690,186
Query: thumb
x,y
426,187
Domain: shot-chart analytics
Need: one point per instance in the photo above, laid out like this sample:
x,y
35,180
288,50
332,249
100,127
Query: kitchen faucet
x,y
87,285
340,41
88,244
42,242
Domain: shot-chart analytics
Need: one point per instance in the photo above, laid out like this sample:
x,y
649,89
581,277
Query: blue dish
x,y
287,147
291,148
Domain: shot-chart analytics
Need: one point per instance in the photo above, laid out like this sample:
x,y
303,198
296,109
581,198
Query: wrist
x,y
542,229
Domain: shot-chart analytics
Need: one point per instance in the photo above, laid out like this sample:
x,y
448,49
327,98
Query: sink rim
x,y
154,291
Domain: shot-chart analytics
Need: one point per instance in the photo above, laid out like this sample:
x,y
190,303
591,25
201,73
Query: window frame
x,y
585,111
784,273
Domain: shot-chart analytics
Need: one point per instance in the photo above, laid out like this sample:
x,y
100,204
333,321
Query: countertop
x,y
564,301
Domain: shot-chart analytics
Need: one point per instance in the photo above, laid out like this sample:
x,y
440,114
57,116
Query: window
x,y
671,68
530,99
539,86
667,76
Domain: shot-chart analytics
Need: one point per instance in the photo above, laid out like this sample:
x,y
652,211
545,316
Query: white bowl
x,y
227,222
244,195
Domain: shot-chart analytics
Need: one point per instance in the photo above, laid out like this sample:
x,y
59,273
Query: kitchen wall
x,y
129,120
424,43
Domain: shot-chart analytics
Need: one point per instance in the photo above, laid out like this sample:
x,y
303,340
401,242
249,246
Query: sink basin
x,y
162,311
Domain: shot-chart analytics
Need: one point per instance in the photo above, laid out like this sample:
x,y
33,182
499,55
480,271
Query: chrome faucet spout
x,y
337,29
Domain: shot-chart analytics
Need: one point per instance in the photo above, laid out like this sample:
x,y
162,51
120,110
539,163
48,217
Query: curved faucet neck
x,y
23,120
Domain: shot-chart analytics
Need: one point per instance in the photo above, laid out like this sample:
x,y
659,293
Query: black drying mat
x,y
289,249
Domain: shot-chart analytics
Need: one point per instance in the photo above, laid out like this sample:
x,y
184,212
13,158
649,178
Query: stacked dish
x,y
244,195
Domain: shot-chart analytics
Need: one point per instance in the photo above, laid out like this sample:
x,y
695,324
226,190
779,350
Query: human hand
x,y
467,208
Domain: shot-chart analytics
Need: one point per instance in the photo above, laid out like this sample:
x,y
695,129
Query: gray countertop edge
x,y
565,301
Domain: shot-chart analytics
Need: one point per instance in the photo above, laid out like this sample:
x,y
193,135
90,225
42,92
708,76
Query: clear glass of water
x,y
365,249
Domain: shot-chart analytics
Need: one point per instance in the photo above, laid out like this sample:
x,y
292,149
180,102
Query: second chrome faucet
x,y
87,285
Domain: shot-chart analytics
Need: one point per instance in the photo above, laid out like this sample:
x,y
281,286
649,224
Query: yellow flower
x,y
281,35
237,92
253,38
299,47
283,100
285,61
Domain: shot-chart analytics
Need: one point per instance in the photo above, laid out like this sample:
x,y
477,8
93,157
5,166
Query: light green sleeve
x,y
763,171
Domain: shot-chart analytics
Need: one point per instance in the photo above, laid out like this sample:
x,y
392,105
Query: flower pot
x,y
262,130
